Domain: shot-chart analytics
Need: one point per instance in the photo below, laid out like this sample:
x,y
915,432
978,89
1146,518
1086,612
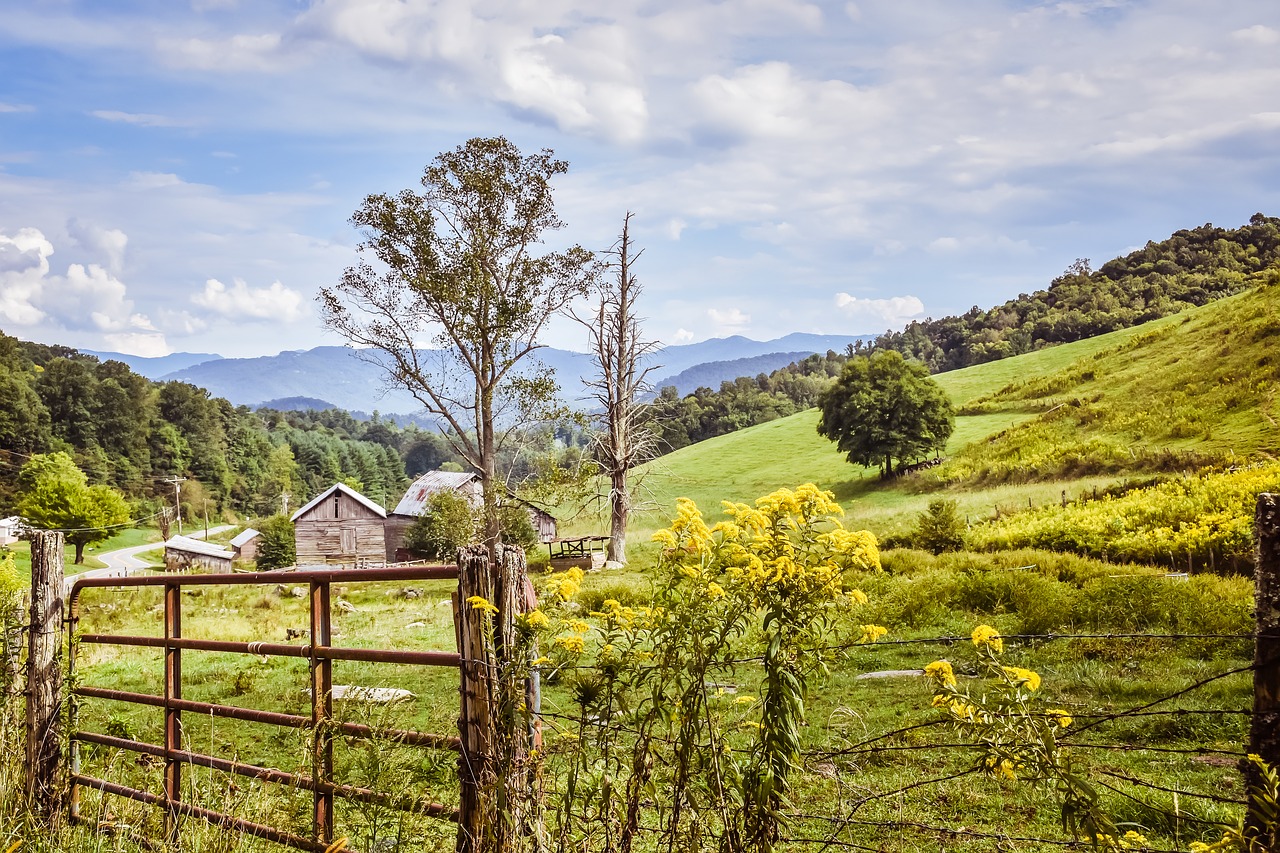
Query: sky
x,y
178,176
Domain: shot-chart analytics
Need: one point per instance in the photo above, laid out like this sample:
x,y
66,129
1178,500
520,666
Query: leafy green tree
x,y
277,547
459,264
55,495
940,528
448,523
883,408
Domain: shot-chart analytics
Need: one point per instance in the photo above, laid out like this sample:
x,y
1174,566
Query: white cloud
x,y
874,315
110,242
1258,34
276,302
147,345
675,227
241,52
140,119
15,108
681,336
24,263
730,321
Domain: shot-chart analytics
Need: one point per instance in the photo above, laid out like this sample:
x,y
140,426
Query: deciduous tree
x,y
883,408
55,495
458,266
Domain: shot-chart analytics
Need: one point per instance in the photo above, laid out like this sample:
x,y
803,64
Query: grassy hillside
x,y
1033,429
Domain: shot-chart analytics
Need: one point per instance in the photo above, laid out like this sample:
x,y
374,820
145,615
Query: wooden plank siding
x,y
340,530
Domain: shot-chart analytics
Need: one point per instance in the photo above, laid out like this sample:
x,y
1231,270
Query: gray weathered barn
x,y
245,545
340,527
414,504
182,553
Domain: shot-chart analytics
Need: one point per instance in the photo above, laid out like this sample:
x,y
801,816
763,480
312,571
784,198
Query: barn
x,y
245,545
340,527
414,504
182,554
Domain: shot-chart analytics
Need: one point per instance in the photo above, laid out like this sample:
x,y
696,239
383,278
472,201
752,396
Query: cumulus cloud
x,y
276,302
88,298
110,242
873,315
681,336
1258,34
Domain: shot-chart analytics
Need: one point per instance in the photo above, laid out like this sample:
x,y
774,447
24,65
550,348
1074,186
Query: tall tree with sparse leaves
x,y
885,408
620,385
458,265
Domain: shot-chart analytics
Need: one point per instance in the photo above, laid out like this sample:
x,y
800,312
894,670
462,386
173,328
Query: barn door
x,y
348,540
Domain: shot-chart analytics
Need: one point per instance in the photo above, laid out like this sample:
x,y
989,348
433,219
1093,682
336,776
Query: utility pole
x,y
177,497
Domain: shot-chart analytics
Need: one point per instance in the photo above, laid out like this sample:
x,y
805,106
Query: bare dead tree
x,y
620,386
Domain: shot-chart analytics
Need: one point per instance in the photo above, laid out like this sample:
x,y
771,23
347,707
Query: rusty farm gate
x,y
474,660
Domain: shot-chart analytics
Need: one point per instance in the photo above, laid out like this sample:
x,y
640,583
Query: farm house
x,y
340,527
414,503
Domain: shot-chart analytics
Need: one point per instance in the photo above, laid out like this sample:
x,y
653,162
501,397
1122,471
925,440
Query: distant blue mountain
x,y
155,367
340,377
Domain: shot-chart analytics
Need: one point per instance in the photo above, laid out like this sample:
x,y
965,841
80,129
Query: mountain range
x,y
338,376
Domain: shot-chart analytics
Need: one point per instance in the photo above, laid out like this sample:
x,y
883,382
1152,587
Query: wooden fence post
x,y
44,678
497,803
1264,734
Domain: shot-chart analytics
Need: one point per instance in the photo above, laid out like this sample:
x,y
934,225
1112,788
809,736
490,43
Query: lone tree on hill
x,y
883,408
458,266
54,494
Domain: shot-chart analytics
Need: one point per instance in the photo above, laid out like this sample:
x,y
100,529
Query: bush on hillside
x,y
940,528
277,547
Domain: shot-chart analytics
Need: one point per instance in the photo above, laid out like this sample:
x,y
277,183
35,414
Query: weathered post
x,y
44,678
1264,734
497,807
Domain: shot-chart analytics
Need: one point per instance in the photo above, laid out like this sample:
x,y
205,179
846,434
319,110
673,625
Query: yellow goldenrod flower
x,y
986,636
715,591
577,626
533,620
941,672
571,643
1018,675
871,633
744,700
479,602
1060,717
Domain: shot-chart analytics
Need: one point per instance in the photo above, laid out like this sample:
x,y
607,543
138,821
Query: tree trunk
x,y
79,552
620,509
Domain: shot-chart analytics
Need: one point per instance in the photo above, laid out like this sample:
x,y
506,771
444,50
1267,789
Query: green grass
x,y
919,596
125,538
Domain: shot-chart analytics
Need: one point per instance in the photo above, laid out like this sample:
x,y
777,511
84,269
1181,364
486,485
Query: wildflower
x,y
571,643
744,700
577,626
1133,840
479,602
871,633
715,591
1020,676
857,596
941,672
533,620
988,637
689,572
540,661
1060,717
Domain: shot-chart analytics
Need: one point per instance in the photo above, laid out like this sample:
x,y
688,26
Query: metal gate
x,y
320,655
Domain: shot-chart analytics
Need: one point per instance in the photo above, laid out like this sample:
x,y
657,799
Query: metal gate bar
x,y
320,655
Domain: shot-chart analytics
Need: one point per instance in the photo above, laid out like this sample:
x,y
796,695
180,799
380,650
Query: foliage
x,y
1202,521
457,263
940,527
770,577
55,495
277,547
884,408
447,523
1192,267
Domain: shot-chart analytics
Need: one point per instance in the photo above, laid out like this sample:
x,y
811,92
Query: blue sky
x,y
178,176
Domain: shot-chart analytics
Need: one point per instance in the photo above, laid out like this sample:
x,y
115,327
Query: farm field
x,y
865,739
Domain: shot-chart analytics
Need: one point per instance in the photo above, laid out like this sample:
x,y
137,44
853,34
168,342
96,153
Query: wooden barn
x,y
340,527
414,503
183,554
245,545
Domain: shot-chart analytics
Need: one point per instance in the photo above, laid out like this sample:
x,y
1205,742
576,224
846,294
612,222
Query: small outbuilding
x,y
340,527
184,554
9,529
245,545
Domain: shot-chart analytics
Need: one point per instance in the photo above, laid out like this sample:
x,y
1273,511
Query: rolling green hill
x,y
1168,395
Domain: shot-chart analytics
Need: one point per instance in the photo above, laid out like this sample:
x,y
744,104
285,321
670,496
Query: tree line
x,y
137,435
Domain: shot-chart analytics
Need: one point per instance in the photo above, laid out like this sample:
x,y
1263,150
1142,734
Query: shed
x,y
414,503
245,544
182,553
341,527
9,529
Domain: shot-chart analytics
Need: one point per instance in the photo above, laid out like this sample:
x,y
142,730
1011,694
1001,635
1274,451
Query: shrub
x,y
940,528
447,524
277,547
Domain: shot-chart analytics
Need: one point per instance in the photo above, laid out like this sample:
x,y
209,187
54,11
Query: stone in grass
x,y
891,673
371,695
416,625
347,607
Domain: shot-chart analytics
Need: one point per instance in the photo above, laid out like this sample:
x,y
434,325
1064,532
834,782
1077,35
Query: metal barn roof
x,y
243,537
415,499
346,490
196,546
